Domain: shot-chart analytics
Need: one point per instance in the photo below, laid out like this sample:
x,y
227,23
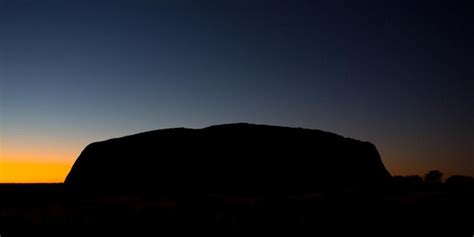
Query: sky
x,y
396,73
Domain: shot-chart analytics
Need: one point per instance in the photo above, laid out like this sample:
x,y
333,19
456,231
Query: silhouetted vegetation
x,y
411,182
403,209
432,181
460,183
433,177
460,180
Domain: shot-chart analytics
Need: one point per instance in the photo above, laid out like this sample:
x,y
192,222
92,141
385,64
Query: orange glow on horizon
x,y
35,164
12,171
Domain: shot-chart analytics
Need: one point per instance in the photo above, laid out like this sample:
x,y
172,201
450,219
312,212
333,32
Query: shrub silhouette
x,y
460,179
460,182
433,177
410,182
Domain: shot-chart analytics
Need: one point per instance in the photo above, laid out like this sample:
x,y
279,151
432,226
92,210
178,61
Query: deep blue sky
x,y
396,73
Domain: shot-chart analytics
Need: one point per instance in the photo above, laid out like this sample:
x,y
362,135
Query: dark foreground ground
x,y
44,207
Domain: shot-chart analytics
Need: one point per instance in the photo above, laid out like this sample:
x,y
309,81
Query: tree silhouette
x,y
433,177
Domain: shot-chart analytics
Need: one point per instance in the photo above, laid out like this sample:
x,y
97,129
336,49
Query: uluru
x,y
229,158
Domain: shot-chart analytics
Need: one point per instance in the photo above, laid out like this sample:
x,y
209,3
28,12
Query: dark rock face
x,y
232,158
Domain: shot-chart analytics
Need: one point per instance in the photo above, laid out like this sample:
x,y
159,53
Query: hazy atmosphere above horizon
x,y
399,74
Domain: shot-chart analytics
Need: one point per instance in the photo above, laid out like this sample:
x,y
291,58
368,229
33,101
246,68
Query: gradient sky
x,y
396,73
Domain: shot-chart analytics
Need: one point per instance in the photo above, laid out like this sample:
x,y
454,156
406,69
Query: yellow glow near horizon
x,y
34,164
12,171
